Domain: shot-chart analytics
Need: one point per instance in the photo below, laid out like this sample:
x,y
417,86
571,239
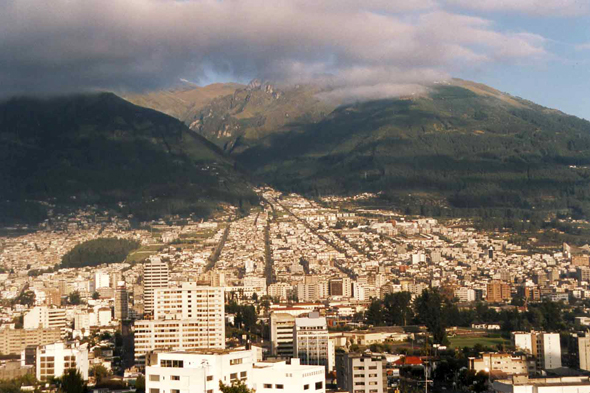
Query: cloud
x,y
72,45
566,8
581,47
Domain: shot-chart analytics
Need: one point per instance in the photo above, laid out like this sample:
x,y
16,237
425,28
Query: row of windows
x,y
171,363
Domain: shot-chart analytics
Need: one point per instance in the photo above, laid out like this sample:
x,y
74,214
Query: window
x,y
306,387
279,386
174,391
209,377
243,374
268,385
233,376
319,385
154,378
152,390
175,377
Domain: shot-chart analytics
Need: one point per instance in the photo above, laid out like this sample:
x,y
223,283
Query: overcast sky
x,y
536,49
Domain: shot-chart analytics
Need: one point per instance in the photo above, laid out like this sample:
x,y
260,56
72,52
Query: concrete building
x,y
182,335
281,334
523,384
54,359
502,362
100,280
545,347
547,350
498,292
191,301
121,302
361,373
13,341
584,352
310,341
155,275
45,317
201,371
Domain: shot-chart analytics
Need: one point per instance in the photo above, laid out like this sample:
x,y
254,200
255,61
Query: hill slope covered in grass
x,y
462,146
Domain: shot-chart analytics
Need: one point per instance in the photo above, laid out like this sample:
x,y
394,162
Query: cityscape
x,y
296,295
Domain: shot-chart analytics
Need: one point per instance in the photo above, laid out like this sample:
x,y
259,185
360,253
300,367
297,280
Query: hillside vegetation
x,y
101,149
98,251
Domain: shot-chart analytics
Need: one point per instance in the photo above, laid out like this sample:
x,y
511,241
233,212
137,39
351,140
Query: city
x,y
296,295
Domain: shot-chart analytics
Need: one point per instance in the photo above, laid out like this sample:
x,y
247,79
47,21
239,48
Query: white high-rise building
x,y
281,334
584,352
101,280
185,318
155,275
190,301
54,359
545,347
547,350
45,317
202,371
310,341
177,335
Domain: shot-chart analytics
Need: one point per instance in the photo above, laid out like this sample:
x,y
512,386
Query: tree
x,y
374,315
140,384
429,310
95,295
74,298
72,382
100,372
239,387
26,298
398,308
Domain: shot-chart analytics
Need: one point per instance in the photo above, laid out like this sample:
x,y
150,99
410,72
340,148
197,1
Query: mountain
x,y
102,149
459,148
462,146
183,101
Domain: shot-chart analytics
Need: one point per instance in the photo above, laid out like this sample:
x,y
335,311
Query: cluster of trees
x,y
437,312
98,251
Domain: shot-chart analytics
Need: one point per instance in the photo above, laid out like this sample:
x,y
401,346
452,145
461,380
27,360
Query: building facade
x,y
54,359
202,371
155,275
361,373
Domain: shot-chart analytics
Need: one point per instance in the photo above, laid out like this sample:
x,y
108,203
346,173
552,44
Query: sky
x,y
535,49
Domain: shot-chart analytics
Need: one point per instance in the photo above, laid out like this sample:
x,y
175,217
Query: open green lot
x,y
460,342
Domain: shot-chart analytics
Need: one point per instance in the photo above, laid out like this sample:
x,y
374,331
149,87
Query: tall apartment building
x,y
545,347
100,280
281,334
583,273
584,352
361,373
54,359
185,318
202,371
155,275
341,286
14,341
498,292
121,301
45,317
190,301
178,335
580,260
310,341
465,294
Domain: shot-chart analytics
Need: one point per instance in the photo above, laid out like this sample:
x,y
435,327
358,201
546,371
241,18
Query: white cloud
x,y
532,7
70,45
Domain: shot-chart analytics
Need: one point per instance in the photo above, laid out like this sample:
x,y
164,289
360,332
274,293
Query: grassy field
x,y
461,342
143,253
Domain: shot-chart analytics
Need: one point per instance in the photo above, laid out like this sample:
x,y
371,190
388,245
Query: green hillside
x,y
102,149
463,146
